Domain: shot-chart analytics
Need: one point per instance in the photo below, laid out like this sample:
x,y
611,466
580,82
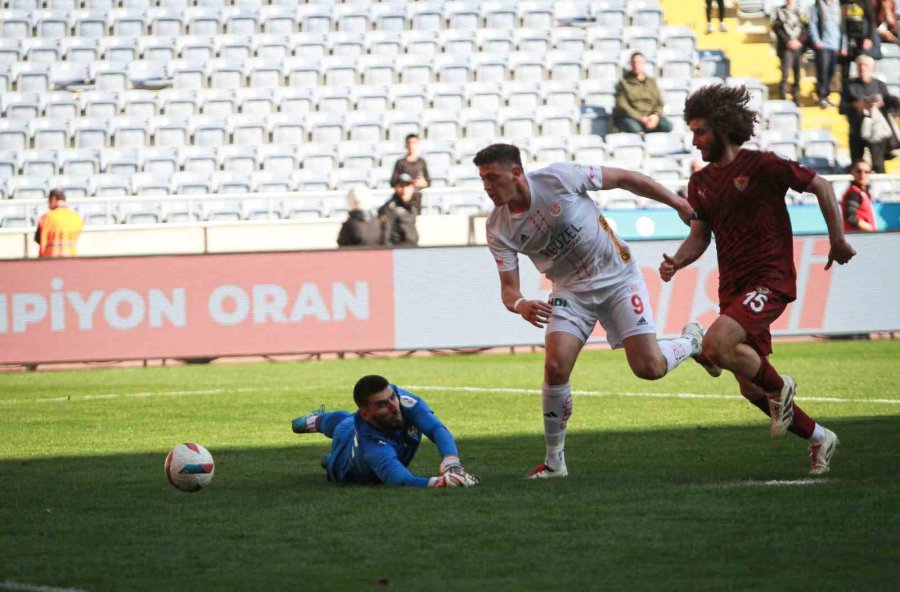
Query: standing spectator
x,y
58,230
398,215
856,203
858,22
863,95
709,25
787,24
886,20
413,165
639,104
827,37
360,229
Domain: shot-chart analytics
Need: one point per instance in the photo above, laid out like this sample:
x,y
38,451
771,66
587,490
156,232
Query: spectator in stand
x,y
360,229
58,230
856,203
868,97
398,215
827,38
790,33
639,104
858,23
709,24
413,165
886,20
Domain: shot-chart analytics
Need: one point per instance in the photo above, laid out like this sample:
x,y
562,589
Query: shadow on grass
x,y
673,509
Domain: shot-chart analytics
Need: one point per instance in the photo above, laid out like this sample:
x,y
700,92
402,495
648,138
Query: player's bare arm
x,y
841,251
689,251
640,184
536,312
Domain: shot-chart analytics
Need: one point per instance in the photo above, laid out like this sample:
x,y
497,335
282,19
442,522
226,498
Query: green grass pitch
x,y
674,484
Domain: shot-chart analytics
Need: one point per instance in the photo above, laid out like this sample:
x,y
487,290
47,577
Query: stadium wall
x,y
207,306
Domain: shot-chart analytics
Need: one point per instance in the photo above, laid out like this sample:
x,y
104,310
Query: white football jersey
x,y
563,232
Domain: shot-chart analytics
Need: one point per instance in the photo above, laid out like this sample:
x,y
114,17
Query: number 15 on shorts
x,y
756,300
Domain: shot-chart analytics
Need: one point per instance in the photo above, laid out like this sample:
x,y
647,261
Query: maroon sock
x,y
803,425
763,404
767,378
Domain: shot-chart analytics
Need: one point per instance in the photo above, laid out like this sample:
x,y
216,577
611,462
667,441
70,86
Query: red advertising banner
x,y
195,306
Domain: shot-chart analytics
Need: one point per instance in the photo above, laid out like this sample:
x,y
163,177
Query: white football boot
x,y
781,407
820,456
542,471
695,333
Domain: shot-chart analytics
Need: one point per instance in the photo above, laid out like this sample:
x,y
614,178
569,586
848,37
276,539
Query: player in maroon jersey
x,y
740,197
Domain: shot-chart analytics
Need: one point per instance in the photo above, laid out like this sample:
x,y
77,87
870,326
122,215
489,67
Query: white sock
x,y
817,436
675,351
557,404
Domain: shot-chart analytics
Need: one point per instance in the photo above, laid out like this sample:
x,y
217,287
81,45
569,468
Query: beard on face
x,y
716,148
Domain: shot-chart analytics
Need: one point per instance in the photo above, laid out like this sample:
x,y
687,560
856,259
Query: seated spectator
x,y
859,34
360,229
413,165
856,203
867,97
790,33
639,104
398,215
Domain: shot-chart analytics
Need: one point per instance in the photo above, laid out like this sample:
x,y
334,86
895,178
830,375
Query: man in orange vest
x,y
58,229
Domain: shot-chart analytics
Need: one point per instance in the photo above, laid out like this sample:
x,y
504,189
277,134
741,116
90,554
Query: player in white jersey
x,y
548,216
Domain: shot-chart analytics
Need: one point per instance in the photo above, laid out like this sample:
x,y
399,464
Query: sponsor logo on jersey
x,y
407,401
558,302
741,182
562,242
762,290
555,209
620,248
641,322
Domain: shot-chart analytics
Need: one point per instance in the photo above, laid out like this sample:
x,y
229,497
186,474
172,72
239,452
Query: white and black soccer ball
x,y
190,467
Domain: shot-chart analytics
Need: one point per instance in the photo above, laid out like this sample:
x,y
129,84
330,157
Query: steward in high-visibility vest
x,y
58,230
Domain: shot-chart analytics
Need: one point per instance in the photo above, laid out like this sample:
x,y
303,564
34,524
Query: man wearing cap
x,y
58,230
398,214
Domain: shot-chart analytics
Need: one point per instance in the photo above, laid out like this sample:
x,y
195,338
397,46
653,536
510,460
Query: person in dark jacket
x,y
861,96
361,229
398,215
856,203
787,24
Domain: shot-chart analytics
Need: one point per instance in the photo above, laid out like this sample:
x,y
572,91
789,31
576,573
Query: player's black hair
x,y
408,136
57,193
637,53
368,386
725,110
500,153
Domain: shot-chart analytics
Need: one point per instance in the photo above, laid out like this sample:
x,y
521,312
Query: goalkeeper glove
x,y
455,475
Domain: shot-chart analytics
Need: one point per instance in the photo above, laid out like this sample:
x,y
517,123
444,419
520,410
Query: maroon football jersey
x,y
743,202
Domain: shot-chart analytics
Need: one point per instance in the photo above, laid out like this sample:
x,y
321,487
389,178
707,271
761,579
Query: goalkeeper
x,y
377,443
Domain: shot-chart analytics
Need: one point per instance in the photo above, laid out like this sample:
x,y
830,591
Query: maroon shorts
x,y
755,310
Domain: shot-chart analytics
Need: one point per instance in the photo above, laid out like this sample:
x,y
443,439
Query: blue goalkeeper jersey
x,y
362,454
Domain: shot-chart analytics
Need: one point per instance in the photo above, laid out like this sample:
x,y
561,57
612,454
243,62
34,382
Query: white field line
x,y
475,389
7,585
432,388
772,483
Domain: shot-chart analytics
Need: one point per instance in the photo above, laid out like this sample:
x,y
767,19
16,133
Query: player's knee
x,y
555,373
649,369
715,353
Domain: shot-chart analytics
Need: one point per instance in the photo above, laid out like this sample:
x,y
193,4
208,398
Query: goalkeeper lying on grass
x,y
377,443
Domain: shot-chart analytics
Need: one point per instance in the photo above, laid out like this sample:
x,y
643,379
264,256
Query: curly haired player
x,y
740,197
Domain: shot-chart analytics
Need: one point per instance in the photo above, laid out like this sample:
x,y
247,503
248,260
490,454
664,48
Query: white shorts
x,y
622,309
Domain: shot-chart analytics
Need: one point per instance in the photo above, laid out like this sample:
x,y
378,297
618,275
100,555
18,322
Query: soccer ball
x,y
189,467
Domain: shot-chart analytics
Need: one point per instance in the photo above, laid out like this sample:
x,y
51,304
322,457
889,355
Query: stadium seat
x,y
534,41
138,103
217,102
106,185
288,128
238,159
79,49
26,187
49,134
59,105
458,41
178,103
271,182
460,69
563,65
605,39
314,18
20,105
256,101
181,210
294,101
318,157
411,70
626,148
11,50
370,99
198,159
499,14
170,131
148,75
129,132
89,132
440,125
310,180
525,67
363,126
351,18
260,208
571,40
610,14
190,183
271,46
248,130
15,215
195,48
208,130
664,144
30,77
448,96
187,74
556,121
73,185
517,123
783,142
819,143
481,125
225,74
98,213
302,72
231,182
781,115
38,163
495,41
278,20
387,17
462,16
549,149
377,69
9,165
398,124
116,162
486,96
41,49
278,158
